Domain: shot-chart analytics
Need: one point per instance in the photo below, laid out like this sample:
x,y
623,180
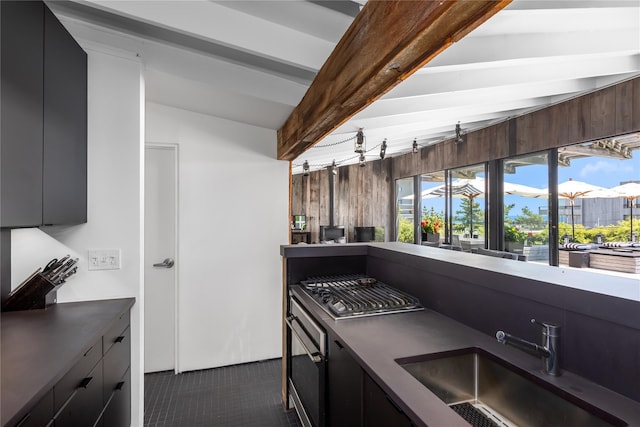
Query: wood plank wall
x,y
608,112
364,196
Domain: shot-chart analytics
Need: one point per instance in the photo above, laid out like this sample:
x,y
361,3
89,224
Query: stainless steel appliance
x,y
358,295
342,297
307,363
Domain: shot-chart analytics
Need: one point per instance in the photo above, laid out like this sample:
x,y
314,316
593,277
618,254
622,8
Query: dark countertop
x,y
377,341
40,346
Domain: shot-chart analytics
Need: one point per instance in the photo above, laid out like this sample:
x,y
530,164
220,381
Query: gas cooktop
x,y
358,295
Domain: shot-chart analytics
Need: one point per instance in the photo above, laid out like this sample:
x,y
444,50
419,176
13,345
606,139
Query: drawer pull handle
x,y
24,420
120,385
85,382
120,338
88,351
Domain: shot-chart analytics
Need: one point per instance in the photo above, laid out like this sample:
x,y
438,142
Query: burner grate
x,y
357,295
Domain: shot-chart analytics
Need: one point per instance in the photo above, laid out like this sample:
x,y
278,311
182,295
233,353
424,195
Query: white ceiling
x,y
252,61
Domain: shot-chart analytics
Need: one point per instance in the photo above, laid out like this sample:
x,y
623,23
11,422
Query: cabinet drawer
x,y
116,362
85,404
40,414
113,335
70,382
118,410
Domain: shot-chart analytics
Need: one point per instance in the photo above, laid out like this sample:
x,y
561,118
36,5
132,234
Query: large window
x,y
592,217
526,206
505,204
433,206
467,190
405,211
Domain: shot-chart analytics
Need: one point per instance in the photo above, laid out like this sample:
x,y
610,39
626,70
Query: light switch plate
x,y
104,259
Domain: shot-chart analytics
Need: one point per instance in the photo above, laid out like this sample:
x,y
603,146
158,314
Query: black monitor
x,y
364,234
331,232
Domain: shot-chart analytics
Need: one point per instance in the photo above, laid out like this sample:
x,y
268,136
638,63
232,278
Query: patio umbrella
x,y
573,190
474,188
630,191
461,188
524,190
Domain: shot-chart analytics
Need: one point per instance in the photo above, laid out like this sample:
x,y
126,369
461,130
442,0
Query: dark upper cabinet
x,y
64,197
44,119
21,108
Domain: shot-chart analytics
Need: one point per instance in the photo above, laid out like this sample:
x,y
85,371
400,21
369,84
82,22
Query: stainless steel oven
x,y
307,361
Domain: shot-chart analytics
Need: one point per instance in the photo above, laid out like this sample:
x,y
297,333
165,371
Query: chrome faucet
x,y
548,351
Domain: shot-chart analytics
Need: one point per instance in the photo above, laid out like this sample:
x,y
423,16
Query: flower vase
x,y
430,237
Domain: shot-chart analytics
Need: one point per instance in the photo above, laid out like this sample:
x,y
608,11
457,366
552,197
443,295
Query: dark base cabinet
x,y
378,410
117,376
118,409
95,392
344,387
40,415
101,398
84,405
354,398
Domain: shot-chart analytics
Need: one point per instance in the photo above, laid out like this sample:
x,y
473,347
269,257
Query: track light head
x,y
359,146
414,148
383,149
305,168
459,135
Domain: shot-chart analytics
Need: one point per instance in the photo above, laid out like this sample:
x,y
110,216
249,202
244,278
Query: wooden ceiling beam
x,y
386,43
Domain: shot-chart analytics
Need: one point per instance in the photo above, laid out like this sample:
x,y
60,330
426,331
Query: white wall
x,y
233,215
115,144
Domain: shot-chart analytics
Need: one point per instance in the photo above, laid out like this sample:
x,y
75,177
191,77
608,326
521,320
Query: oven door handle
x,y
315,357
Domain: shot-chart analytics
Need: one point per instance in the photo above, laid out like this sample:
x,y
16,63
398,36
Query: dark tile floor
x,y
235,396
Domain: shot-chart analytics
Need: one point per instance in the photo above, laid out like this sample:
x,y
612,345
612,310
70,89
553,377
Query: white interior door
x,y
160,271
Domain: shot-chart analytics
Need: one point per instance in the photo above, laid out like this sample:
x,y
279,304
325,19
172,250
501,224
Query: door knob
x,y
167,263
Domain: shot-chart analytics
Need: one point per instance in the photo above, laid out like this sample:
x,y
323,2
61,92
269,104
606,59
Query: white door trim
x,y
176,275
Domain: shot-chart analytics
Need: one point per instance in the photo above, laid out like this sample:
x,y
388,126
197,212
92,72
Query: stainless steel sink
x,y
482,387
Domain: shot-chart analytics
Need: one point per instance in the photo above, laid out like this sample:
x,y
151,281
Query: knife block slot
x,y
36,293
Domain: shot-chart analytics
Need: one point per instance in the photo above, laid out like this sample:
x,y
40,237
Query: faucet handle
x,y
550,328
538,323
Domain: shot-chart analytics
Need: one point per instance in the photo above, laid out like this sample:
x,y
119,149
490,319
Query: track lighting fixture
x,y
383,149
459,136
359,146
333,168
361,160
414,150
305,168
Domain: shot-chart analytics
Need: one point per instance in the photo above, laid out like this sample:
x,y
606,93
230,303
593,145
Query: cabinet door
x,y
65,126
21,109
344,387
378,409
